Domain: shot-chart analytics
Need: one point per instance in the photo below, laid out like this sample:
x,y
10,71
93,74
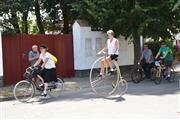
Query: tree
x,y
15,13
25,6
38,17
60,16
132,18
8,9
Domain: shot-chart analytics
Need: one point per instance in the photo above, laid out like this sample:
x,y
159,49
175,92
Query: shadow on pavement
x,y
79,96
147,87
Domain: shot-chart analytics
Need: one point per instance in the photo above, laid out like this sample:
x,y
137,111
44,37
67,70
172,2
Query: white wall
x,y
87,43
1,59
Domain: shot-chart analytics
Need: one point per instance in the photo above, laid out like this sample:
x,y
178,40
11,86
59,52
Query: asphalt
x,y
142,101
74,84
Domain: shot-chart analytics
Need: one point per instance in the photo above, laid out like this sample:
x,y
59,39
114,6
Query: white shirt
x,y
50,63
111,45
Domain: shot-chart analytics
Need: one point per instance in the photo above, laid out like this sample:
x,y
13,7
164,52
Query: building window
x,y
88,47
99,44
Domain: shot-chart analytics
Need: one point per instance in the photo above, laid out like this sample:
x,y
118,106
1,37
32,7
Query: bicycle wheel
x,y
156,76
122,87
136,75
173,75
103,86
56,90
24,91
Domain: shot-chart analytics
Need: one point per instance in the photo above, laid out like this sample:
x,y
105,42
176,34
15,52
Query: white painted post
x,y
1,56
77,45
141,43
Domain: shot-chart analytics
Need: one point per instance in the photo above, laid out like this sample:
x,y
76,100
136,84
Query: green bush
x,y
155,45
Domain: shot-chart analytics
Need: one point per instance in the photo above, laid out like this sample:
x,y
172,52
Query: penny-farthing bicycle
x,y
111,83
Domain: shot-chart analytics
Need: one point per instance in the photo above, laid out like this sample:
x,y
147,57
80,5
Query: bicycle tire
x,y
136,75
103,87
122,87
156,76
55,92
172,76
24,90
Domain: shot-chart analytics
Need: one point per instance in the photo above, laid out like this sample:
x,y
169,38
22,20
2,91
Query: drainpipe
x,y
1,60
141,43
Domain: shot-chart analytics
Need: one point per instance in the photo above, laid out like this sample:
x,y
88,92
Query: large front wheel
x,y
106,84
24,91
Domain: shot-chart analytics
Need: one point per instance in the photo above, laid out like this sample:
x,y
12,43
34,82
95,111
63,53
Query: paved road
x,y
143,100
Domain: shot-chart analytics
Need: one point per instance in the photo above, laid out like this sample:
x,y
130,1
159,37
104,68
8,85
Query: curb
x,y
3,98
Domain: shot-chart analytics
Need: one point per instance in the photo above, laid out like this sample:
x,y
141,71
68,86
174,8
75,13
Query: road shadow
x,y
86,94
148,87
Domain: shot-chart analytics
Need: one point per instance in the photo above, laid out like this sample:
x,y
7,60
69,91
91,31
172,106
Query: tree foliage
x,y
52,16
150,18
132,18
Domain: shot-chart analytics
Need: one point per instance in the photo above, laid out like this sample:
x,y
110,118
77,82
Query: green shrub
x,y
155,45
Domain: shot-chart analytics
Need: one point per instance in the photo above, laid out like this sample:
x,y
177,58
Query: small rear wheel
x,y
24,91
122,87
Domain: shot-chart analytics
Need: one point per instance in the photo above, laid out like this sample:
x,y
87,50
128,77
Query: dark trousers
x,y
147,69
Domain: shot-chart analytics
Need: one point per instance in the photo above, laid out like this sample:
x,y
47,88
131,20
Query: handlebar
x,y
31,68
101,53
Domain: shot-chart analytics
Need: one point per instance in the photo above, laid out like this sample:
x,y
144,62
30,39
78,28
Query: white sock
x,y
112,69
45,92
168,75
101,73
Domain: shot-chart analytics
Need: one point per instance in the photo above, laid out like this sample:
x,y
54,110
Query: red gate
x,y
16,48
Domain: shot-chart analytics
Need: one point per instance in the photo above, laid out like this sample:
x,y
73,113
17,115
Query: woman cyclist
x,y
112,47
48,68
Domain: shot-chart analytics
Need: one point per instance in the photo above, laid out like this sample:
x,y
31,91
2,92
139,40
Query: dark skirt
x,y
49,75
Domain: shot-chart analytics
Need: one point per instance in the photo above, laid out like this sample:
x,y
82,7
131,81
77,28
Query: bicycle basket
x,y
31,72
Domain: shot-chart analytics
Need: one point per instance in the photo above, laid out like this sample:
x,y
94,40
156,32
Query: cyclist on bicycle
x,y
166,54
48,68
147,60
112,47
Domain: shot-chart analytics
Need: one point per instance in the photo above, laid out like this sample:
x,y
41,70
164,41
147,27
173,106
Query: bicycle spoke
x,y
106,85
96,82
23,91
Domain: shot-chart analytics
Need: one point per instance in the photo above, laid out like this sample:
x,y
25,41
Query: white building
x,y
87,43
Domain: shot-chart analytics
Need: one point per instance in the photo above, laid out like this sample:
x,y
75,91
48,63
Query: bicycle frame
x,y
119,85
34,80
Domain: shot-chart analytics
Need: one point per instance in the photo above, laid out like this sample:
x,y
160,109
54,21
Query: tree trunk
x,y
38,18
137,50
14,22
25,22
65,19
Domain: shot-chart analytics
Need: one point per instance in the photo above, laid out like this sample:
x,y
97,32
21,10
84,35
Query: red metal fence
x,y
16,48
